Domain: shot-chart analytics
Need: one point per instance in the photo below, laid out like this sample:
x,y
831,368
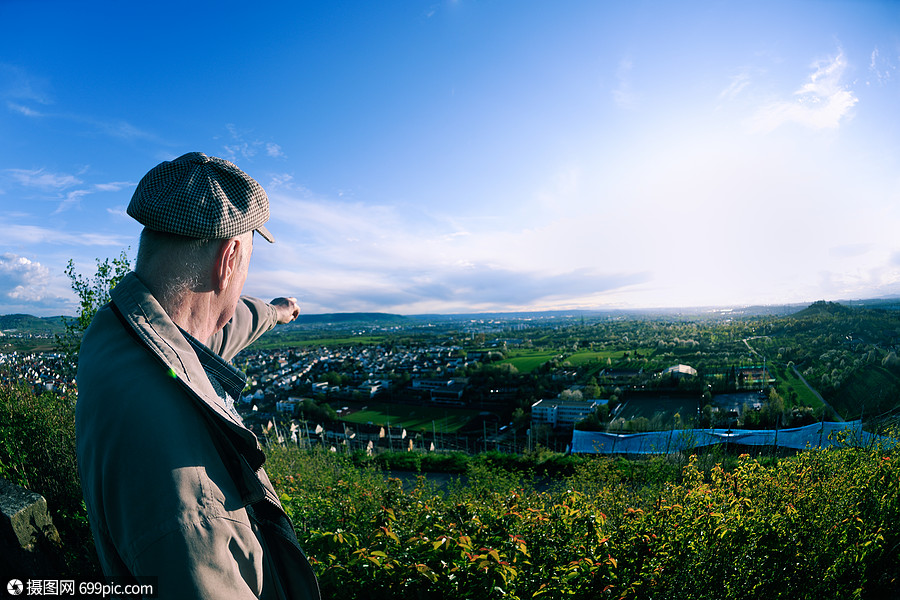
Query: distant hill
x,y
347,318
50,325
823,308
19,323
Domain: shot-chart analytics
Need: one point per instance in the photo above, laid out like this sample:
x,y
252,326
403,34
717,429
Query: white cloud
x,y
623,95
72,199
121,129
23,110
39,178
279,181
30,235
22,279
346,256
113,186
820,103
244,146
738,83
58,182
28,286
118,211
880,67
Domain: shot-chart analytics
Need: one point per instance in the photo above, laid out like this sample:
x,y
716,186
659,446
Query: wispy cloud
x,y
114,186
71,199
21,86
22,90
115,128
280,181
494,287
118,211
417,288
17,234
242,145
623,94
43,179
737,85
23,110
820,103
119,128
61,184
349,256
880,67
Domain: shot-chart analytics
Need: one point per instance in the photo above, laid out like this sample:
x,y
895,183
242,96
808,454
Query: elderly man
x,y
172,480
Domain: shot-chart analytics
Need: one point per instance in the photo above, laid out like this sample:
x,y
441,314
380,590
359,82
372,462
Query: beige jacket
x,y
173,481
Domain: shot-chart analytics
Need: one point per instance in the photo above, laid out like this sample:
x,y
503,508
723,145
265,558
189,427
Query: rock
x,y
28,538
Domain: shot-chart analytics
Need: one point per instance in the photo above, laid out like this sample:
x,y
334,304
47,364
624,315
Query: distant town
x,y
510,383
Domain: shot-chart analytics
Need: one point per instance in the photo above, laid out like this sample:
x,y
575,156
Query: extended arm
x,y
252,318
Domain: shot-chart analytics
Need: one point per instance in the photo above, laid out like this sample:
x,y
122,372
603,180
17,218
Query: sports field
x,y
527,361
412,418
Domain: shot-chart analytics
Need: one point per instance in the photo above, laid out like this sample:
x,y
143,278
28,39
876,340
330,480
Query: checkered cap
x,y
200,196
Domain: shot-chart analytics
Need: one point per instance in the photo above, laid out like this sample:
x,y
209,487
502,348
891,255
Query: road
x,y
818,395
800,377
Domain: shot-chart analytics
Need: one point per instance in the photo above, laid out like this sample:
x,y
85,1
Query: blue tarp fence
x,y
819,435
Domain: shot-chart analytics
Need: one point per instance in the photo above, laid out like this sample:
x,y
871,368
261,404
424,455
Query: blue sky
x,y
470,156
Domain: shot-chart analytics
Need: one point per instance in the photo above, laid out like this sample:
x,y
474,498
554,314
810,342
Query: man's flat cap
x,y
202,197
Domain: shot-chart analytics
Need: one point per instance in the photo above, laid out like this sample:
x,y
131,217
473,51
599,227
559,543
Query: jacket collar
x,y
148,322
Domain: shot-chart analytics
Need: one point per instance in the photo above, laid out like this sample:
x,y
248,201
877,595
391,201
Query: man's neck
x,y
196,313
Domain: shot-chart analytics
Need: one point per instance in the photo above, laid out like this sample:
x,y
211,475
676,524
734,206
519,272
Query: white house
x,y
681,371
288,406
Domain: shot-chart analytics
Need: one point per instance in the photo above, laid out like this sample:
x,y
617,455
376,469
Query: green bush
x,y
37,452
539,462
821,524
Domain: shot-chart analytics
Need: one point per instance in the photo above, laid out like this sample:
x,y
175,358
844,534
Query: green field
x,y
527,361
412,418
789,380
585,356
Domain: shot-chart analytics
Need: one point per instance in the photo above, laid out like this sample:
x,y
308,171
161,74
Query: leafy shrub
x,y
37,452
821,524
539,462
93,292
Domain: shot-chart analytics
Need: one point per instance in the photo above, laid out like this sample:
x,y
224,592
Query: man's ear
x,y
227,258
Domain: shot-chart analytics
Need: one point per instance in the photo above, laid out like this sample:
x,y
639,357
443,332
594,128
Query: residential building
x,y
561,413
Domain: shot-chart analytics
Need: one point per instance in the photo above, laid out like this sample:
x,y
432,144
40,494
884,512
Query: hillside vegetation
x,y
821,524
31,324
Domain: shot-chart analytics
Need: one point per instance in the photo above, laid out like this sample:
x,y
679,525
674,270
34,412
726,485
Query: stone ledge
x,y
28,537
